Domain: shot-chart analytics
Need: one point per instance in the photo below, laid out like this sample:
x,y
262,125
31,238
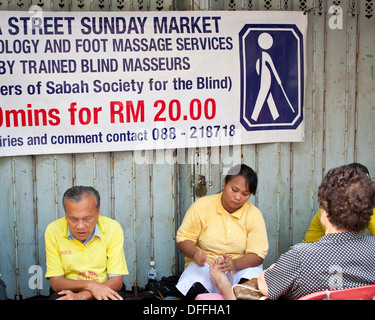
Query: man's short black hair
x,y
78,193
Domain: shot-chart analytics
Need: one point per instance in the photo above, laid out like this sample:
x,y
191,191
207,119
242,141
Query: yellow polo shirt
x,y
215,231
317,230
102,256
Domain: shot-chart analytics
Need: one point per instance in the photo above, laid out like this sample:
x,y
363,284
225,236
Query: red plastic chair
x,y
358,293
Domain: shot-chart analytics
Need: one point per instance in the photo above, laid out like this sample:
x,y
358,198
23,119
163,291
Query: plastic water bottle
x,y
152,272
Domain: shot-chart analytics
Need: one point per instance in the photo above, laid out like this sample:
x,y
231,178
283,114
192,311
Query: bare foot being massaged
x,y
221,280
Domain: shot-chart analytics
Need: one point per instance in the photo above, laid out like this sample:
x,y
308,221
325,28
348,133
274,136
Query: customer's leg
x,y
221,281
196,280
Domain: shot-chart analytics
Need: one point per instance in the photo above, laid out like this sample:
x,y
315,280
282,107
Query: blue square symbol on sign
x,y
272,77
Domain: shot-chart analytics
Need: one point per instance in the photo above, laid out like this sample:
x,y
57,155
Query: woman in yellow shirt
x,y
226,225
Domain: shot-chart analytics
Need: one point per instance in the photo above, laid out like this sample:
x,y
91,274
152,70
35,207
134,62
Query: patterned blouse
x,y
337,261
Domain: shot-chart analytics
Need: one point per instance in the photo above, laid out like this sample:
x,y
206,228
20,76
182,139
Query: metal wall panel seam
x,y
336,73
134,212
15,229
278,199
366,80
305,6
112,192
95,171
346,97
361,16
319,52
56,200
74,171
351,54
355,141
35,202
152,231
256,169
135,280
324,98
178,219
193,174
291,203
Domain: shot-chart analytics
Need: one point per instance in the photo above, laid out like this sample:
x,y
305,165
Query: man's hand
x,y
102,292
70,295
97,291
87,289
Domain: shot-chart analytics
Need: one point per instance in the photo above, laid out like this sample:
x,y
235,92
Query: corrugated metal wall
x,y
149,193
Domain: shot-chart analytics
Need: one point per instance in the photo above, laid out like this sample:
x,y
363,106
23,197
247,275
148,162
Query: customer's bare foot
x,y
221,280
216,274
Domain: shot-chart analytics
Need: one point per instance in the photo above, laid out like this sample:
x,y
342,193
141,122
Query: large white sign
x,y
90,82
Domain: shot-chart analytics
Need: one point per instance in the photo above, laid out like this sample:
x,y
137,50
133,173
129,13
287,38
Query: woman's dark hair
x,y
347,194
247,173
78,193
359,166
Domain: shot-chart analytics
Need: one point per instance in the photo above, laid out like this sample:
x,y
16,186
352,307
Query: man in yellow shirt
x,y
316,229
85,255
225,225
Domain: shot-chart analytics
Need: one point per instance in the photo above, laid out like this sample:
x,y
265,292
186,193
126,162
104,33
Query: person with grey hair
x,y
343,258
84,250
317,230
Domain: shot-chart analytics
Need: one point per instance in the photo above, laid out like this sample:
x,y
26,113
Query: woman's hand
x,y
200,258
227,264
233,265
189,250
